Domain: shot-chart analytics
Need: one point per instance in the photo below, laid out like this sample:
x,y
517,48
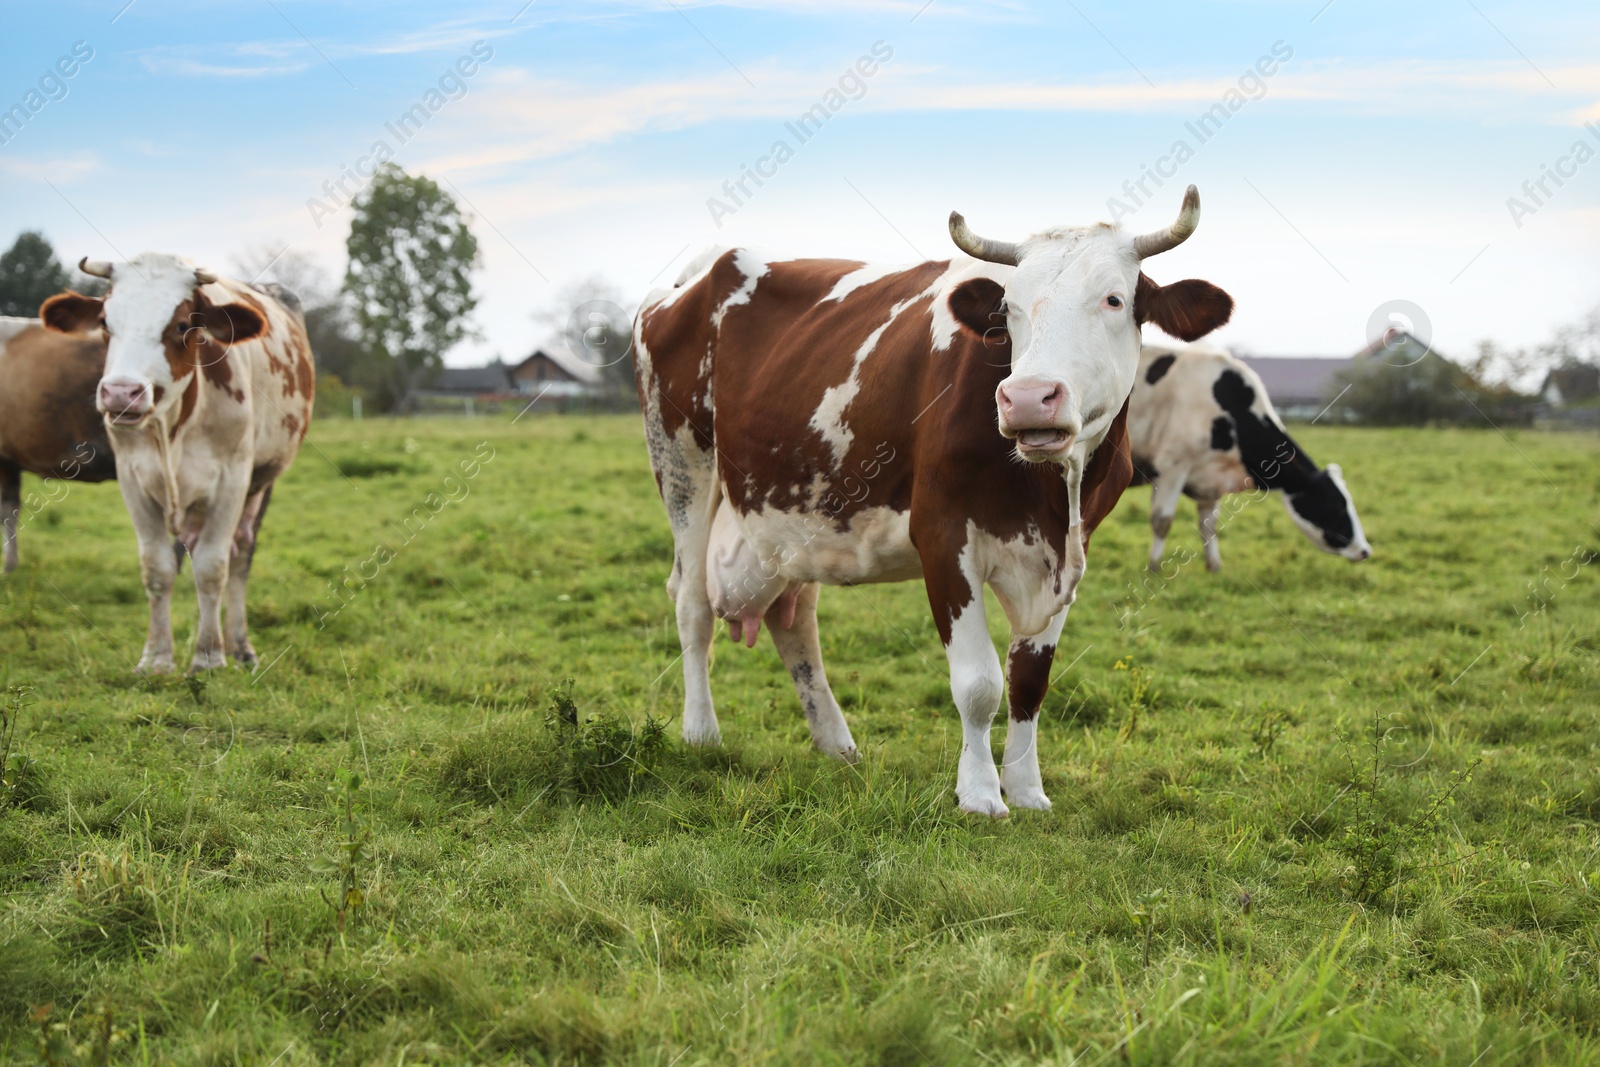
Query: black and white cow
x,y
1201,425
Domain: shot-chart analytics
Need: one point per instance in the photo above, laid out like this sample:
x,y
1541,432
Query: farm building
x,y
1570,383
554,371
1300,386
493,379
550,372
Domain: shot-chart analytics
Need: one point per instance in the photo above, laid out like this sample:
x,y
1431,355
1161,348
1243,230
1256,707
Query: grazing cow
x,y
207,393
48,422
1202,425
845,416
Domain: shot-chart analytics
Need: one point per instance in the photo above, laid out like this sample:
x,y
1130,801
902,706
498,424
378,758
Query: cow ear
x,y
1189,309
71,312
979,305
1105,477
229,324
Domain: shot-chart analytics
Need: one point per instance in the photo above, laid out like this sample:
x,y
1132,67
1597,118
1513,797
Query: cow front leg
x,y
1208,534
1163,506
801,650
158,567
975,682
212,551
10,510
1027,681
243,552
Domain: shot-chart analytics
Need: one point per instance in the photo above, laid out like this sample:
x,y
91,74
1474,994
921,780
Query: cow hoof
x,y
246,658
702,738
1213,567
207,661
843,755
992,806
1033,799
151,666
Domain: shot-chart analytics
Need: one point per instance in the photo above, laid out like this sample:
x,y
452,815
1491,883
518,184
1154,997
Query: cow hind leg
x,y
792,621
1208,534
1163,506
689,490
245,535
1027,681
10,511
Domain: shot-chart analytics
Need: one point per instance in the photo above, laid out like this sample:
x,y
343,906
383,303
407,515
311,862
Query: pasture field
x,y
1306,811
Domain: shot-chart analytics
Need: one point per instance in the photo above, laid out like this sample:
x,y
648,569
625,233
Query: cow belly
x,y
1217,476
806,546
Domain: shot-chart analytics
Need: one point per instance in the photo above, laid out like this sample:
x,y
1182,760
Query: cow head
x,y
161,328
1070,313
1323,510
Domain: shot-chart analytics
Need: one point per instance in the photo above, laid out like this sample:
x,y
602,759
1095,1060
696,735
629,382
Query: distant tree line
x,y
1499,386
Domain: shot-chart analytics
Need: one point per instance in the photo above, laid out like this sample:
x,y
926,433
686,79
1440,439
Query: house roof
x,y
1304,380
1292,380
492,378
1574,381
556,352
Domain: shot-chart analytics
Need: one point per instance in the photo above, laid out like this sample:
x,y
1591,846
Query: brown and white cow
x,y
207,394
1201,425
48,422
960,421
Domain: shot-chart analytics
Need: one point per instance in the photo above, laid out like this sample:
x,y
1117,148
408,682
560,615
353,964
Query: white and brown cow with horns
x,y
963,421
207,394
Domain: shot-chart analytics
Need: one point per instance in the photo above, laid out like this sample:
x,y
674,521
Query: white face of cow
x,y
1074,341
160,328
1072,311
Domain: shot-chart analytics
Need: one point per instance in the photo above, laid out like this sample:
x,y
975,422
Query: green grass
x,y
567,886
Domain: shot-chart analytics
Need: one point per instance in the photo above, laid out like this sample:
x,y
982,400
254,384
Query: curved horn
x,y
203,277
97,268
981,247
1149,244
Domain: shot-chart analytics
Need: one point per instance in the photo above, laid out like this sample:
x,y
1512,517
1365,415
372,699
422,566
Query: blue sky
x,y
1373,164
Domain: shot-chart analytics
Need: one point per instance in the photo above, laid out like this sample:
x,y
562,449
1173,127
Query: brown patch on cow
x,y
807,349
191,349
1189,309
186,405
48,422
71,312
1106,477
1028,679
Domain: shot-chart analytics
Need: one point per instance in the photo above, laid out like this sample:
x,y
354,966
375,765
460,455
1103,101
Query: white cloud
x,y
60,170
514,116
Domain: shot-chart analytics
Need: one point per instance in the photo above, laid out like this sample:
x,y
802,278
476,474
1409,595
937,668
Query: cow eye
x,y
1113,301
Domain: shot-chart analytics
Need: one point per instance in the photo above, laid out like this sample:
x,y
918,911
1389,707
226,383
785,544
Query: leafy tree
x,y
411,257
29,275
